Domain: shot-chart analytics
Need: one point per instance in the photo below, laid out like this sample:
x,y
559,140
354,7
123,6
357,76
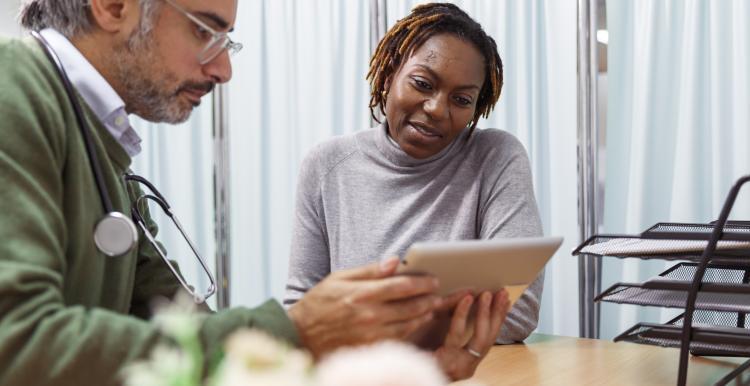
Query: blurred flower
x,y
177,319
172,365
259,351
255,358
165,367
380,364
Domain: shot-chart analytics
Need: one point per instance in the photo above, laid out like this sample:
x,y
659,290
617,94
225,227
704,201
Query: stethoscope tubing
x,y
84,129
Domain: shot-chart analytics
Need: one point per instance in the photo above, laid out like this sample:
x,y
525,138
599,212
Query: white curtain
x,y
677,124
301,79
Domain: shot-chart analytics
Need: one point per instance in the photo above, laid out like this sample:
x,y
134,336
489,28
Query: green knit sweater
x,y
68,314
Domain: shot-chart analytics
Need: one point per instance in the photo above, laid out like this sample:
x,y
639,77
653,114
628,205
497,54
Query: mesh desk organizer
x,y
710,281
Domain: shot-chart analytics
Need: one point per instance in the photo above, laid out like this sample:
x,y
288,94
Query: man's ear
x,y
115,16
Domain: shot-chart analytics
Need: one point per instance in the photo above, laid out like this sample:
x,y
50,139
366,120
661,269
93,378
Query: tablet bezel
x,y
481,265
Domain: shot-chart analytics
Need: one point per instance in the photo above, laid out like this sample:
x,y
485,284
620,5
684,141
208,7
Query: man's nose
x,y
219,68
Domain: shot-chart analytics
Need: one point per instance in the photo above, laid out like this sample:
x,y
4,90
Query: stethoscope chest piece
x,y
115,234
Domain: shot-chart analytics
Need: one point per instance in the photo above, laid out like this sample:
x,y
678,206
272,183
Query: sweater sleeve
x,y
510,210
45,339
309,259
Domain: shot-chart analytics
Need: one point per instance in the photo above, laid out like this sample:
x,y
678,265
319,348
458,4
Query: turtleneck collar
x,y
393,153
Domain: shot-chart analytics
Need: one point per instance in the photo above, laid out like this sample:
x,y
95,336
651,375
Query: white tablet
x,y
481,265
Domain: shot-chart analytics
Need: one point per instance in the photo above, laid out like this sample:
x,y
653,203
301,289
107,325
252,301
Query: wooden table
x,y
557,360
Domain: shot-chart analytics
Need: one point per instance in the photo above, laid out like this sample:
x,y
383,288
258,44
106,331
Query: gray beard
x,y
144,84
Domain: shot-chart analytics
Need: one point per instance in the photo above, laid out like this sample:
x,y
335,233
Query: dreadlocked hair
x,y
411,32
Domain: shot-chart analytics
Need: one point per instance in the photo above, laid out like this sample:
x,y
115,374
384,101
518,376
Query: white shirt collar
x,y
103,100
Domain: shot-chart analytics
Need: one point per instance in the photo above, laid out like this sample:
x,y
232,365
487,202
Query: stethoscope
x,y
116,234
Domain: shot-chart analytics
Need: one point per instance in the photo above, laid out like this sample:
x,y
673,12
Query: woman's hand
x,y
468,341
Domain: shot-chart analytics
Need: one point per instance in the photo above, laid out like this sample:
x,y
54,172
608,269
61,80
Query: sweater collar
x,y
393,152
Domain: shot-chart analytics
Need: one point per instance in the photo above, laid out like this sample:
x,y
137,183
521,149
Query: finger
x,y
388,265
401,330
456,337
479,342
396,288
452,300
384,268
404,310
500,308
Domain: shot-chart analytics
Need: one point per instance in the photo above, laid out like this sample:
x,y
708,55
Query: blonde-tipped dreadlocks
x,y
409,33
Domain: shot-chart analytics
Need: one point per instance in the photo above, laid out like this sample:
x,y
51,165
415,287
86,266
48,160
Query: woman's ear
x,y
386,89
115,15
387,85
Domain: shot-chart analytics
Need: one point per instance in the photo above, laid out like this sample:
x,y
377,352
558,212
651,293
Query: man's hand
x,y
364,305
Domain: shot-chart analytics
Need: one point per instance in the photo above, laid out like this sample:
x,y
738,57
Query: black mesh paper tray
x,y
734,230
724,288
739,257
705,340
715,273
716,318
729,298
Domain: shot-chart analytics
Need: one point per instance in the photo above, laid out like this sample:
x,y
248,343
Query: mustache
x,y
206,87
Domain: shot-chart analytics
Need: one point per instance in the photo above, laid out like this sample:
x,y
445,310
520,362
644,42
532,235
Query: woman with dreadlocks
x,y
425,173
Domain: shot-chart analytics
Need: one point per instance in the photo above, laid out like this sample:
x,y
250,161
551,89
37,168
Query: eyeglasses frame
x,y
231,46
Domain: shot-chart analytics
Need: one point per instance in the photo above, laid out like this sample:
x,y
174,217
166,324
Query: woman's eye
x,y
422,84
463,101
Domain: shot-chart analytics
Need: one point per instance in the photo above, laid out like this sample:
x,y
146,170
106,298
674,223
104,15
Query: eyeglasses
x,y
141,204
217,41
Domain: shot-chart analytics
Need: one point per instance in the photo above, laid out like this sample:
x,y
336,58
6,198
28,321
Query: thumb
x,y
384,268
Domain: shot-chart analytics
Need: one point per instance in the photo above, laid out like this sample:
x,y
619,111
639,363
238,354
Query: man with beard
x,y
69,313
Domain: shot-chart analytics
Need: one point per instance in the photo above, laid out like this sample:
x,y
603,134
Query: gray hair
x,y
72,17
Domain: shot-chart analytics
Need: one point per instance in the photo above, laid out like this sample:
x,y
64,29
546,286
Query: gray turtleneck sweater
x,y
361,198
